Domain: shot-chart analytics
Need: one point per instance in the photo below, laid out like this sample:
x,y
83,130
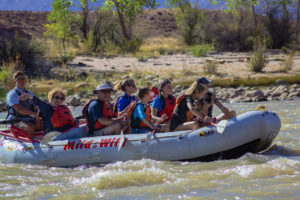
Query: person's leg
x,y
113,129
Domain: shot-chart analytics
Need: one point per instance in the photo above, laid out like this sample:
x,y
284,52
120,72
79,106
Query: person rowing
x,y
209,100
122,103
185,112
57,117
163,105
21,108
99,113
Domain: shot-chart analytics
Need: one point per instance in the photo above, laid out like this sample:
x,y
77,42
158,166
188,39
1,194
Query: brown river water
x,y
274,174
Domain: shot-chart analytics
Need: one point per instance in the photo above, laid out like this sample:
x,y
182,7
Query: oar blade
x,y
122,140
50,136
221,126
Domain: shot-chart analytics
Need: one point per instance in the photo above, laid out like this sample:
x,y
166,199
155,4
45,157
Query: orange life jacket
x,y
107,113
137,123
62,116
189,114
170,103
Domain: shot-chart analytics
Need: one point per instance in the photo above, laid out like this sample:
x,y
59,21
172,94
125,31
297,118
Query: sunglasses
x,y
59,98
132,85
105,91
21,79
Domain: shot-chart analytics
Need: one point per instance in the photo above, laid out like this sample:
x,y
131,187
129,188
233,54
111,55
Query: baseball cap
x,y
103,86
203,80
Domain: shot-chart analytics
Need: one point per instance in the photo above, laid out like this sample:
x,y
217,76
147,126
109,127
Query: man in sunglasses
x,y
99,113
19,108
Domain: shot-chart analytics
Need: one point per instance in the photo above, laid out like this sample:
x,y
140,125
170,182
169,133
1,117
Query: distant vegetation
x,y
109,30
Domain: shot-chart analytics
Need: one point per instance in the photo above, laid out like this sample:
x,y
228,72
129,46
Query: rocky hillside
x,y
151,23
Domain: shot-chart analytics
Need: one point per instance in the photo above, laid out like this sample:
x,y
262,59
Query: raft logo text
x,y
109,142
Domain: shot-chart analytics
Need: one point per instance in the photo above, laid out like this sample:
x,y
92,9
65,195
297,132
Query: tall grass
x,y
288,62
163,45
258,60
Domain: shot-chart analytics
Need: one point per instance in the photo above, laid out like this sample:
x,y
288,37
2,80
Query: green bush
x,y
288,62
201,50
258,61
131,46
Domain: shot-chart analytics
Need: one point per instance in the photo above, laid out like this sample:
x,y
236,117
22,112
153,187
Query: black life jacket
x,y
28,104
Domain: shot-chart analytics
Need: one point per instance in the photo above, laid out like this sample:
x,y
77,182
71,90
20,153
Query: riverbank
x,y
232,80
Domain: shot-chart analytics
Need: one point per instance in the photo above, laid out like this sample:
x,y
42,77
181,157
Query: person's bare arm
x,y
222,107
21,109
148,123
105,121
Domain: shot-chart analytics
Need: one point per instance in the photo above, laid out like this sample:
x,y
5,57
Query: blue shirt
x,y
12,97
95,110
139,111
124,101
159,104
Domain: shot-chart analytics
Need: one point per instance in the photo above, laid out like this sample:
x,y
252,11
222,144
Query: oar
x,y
122,140
50,136
221,126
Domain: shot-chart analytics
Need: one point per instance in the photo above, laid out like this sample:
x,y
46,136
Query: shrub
x,y
201,50
288,62
210,67
22,50
131,45
258,61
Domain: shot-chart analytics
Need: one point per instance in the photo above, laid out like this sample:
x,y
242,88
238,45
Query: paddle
x,y
221,126
50,136
122,140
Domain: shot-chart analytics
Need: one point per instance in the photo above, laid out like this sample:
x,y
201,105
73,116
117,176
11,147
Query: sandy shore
x,y
229,64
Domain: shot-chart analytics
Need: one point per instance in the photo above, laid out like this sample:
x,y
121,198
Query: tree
x,y
188,19
126,11
61,20
298,22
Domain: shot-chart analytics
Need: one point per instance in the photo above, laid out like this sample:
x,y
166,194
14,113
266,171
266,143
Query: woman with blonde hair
x,y
56,116
185,111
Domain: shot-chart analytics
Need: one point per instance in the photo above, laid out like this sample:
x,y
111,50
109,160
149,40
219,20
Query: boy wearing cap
x,y
100,114
211,99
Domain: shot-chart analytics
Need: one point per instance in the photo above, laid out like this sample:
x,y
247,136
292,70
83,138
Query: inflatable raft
x,y
253,131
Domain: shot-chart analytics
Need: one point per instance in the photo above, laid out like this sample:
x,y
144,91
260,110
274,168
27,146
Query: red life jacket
x,y
137,123
153,93
170,103
62,116
189,114
107,113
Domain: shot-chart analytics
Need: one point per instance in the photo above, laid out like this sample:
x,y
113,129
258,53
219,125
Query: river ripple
x,y
274,174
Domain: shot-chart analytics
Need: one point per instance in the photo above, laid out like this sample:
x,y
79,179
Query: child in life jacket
x,y
56,116
163,105
99,114
185,111
141,113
